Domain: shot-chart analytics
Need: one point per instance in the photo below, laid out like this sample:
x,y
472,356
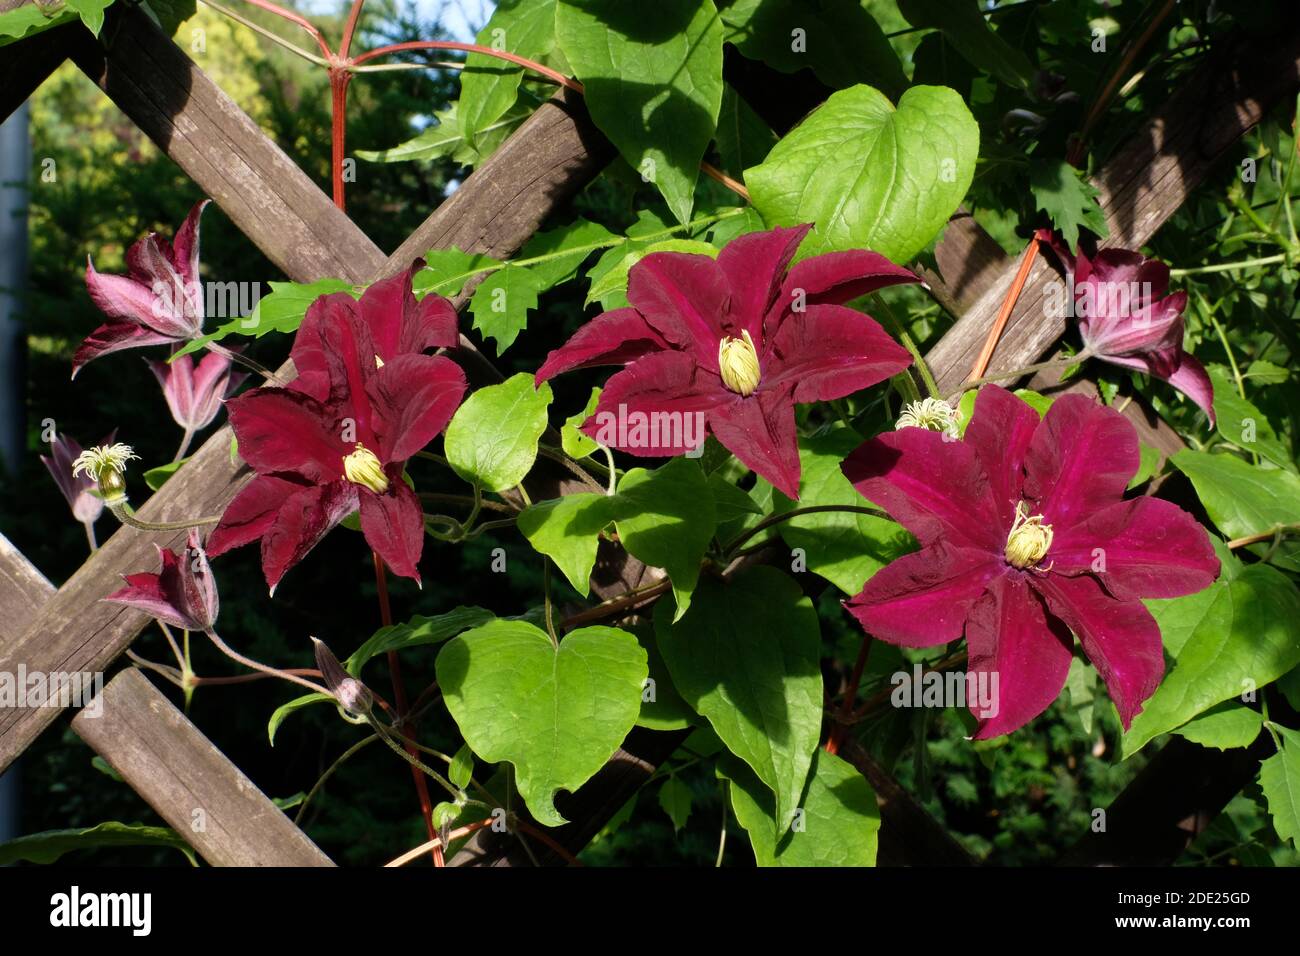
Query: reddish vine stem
x,y
840,727
1013,294
403,707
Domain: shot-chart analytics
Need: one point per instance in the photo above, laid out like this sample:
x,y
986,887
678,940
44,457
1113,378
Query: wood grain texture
x,y
26,65
181,774
1141,187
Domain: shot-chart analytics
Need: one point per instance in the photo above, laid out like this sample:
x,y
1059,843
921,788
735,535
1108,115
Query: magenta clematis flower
x,y
1126,319
739,341
1025,536
194,392
338,441
78,490
183,594
159,301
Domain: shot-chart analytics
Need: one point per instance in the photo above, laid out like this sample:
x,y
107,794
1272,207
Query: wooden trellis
x,y
169,762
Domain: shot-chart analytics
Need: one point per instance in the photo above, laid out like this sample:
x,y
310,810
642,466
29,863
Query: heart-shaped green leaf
x,y
556,715
870,176
567,531
492,438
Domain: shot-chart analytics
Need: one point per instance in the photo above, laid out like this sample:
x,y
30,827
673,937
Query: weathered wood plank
x,y
1140,188
183,776
25,66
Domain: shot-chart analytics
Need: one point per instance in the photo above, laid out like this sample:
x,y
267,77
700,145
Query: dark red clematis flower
x,y
1126,319
183,594
1025,536
738,340
159,302
337,441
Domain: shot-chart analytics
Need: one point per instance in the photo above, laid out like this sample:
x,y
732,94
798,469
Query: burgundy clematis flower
x,y
160,301
738,340
339,441
183,594
1025,536
77,489
1126,319
194,392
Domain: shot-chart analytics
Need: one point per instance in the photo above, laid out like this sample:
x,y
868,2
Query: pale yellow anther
x,y
738,363
1029,540
362,467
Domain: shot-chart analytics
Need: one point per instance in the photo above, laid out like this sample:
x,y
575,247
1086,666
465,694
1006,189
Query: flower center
x,y
738,362
363,468
1029,539
932,414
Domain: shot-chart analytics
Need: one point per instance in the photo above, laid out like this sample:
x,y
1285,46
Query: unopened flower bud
x,y
351,694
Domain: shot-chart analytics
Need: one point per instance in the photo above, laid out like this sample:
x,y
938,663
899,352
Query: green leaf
x,y
461,768
675,799
614,281
567,531
489,86
91,13
447,270
729,501
295,705
49,846
844,548
576,444
419,631
502,301
964,26
746,657
869,175
744,139
492,439
1266,373
447,137
666,517
1242,499
1067,197
839,822
155,478
1224,726
1237,635
566,248
557,716
1081,682
1148,460
839,40
1244,425
25,20
281,310
662,708
653,83
1279,777
169,14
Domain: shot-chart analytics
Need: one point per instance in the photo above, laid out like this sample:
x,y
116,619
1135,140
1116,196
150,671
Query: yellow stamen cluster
x,y
1029,540
362,467
106,464
932,414
738,363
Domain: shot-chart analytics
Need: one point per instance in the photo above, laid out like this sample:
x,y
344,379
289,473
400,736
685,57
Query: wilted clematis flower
x,y
64,452
1126,319
1025,537
194,392
183,594
738,340
322,451
159,301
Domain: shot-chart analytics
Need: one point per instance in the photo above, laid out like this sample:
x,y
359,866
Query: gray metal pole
x,y
15,167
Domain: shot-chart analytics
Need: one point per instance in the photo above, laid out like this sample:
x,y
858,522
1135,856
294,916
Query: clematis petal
x,y
252,512
1121,638
685,297
114,337
760,431
831,351
185,247
1080,460
835,278
1143,548
754,266
145,592
305,517
393,524
656,406
924,598
121,297
1000,430
400,324
1192,380
177,382
934,488
1012,640
214,379
611,338
283,430
413,397
1153,327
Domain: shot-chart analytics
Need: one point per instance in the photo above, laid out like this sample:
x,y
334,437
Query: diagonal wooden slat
x,y
25,66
